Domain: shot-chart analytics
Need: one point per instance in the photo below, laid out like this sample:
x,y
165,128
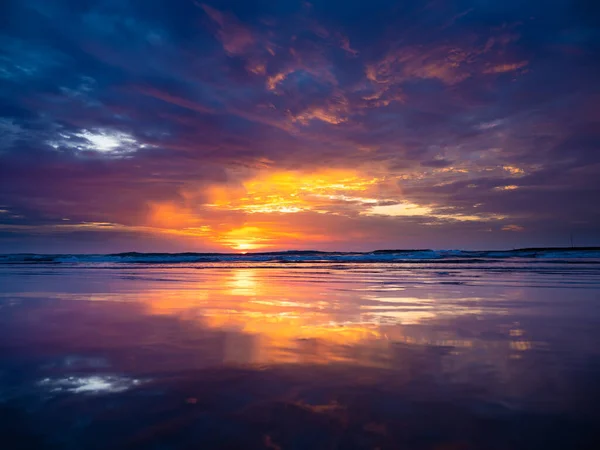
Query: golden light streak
x,y
291,192
400,209
407,209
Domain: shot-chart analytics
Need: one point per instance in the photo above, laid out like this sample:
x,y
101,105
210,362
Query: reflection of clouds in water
x,y
375,358
317,406
274,314
94,384
402,310
508,341
292,316
241,348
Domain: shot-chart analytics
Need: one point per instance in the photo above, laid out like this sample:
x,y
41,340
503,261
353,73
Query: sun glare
x,y
244,239
244,245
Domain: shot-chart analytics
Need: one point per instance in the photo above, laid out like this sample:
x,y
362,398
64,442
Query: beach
x,y
446,351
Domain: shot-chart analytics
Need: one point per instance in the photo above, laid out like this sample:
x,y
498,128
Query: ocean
x,y
415,349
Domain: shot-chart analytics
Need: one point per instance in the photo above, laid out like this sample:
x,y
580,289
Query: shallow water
x,y
490,354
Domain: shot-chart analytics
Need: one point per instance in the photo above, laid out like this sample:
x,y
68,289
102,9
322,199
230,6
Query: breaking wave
x,y
457,256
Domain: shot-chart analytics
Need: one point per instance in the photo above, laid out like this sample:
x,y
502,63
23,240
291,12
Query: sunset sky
x,y
179,125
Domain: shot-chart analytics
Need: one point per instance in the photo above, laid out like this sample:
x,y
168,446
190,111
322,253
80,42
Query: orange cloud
x,y
513,228
170,215
503,68
234,36
448,64
293,191
275,209
514,170
510,187
246,215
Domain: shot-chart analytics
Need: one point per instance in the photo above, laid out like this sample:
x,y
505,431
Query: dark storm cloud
x,y
477,107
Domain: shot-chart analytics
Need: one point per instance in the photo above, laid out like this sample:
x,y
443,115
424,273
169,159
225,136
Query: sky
x,y
183,125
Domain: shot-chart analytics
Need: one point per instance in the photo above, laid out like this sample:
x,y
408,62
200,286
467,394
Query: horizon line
x,y
390,250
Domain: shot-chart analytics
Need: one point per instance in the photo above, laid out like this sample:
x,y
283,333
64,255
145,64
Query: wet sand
x,y
498,355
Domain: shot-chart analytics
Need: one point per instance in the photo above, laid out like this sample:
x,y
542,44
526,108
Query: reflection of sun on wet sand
x,y
319,316
266,319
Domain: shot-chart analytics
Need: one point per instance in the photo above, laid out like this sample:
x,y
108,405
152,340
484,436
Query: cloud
x,y
502,68
231,124
345,45
512,228
173,99
235,37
